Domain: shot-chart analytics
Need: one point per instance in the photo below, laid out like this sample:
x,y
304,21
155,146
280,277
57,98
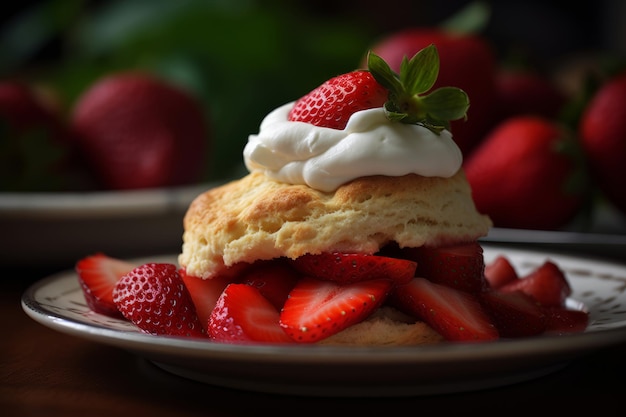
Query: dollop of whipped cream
x,y
325,158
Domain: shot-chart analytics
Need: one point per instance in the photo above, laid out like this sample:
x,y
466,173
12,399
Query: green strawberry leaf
x,y
408,101
419,74
383,74
446,103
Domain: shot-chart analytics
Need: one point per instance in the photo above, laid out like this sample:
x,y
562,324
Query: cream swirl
x,y
325,158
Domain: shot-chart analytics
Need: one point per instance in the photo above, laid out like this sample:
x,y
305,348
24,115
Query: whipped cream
x,y
325,158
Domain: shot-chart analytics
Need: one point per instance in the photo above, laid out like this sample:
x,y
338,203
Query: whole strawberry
x,y
332,103
137,131
154,297
467,62
523,92
402,95
602,131
35,146
524,175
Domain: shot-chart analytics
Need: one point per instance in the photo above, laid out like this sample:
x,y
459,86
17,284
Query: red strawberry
x,y
403,95
36,152
204,293
522,175
524,92
137,131
560,320
347,268
97,275
154,297
458,266
318,309
499,272
547,284
332,103
242,314
274,279
467,62
602,131
456,315
515,314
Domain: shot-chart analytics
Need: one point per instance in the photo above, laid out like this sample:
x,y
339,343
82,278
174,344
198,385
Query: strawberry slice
x,y
547,284
317,309
274,279
154,297
499,272
460,266
204,293
348,268
515,314
97,275
242,314
560,320
456,315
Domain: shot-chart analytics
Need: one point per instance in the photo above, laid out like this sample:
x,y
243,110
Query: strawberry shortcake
x,y
354,226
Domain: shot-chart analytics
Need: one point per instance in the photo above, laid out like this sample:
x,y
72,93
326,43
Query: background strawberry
x,y
602,131
36,151
524,91
524,174
137,131
467,62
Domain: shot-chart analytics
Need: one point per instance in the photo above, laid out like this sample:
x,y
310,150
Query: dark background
x,y
245,57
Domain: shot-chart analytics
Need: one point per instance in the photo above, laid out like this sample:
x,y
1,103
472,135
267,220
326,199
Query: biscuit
x,y
257,218
385,327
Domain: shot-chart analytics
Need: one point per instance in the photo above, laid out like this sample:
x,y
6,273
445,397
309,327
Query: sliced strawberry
x,y
97,275
347,268
154,297
274,279
515,314
499,272
204,293
458,266
317,309
547,284
242,314
456,315
560,320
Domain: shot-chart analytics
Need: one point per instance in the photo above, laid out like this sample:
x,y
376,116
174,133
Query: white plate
x,y
59,228
57,302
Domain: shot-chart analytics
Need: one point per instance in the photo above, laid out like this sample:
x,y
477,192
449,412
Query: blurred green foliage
x,y
241,58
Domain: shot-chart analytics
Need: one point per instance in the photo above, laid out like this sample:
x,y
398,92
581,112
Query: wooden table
x,y
47,373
